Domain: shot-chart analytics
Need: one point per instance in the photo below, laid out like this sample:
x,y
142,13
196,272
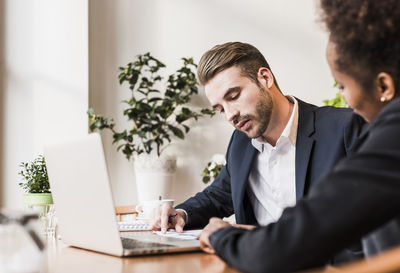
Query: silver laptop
x,y
83,202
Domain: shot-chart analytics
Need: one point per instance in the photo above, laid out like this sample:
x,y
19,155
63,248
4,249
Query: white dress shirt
x,y
272,180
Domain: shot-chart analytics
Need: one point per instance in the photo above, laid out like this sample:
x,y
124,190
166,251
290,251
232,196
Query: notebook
x,y
84,206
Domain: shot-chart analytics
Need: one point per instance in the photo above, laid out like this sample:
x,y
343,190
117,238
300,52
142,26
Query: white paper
x,y
185,235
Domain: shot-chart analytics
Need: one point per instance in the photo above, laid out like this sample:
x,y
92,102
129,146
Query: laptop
x,y
84,206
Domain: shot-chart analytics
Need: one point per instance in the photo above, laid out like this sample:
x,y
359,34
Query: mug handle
x,y
139,208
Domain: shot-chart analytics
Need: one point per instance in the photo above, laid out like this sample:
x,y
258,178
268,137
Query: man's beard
x,y
263,114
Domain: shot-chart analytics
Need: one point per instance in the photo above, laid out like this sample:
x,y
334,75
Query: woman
x,y
360,199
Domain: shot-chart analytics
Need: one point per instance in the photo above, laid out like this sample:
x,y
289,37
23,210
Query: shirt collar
x,y
289,133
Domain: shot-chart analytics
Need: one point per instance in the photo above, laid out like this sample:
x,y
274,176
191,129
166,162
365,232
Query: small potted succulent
x,y
157,112
36,182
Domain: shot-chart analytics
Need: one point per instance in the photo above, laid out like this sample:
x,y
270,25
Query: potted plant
x,y
36,183
157,111
337,101
213,168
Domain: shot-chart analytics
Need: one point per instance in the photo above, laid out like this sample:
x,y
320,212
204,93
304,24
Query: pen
x,y
171,217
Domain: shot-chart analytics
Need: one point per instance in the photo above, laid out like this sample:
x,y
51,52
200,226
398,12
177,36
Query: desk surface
x,y
62,259
386,262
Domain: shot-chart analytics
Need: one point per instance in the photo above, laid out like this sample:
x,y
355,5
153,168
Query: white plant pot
x,y
154,176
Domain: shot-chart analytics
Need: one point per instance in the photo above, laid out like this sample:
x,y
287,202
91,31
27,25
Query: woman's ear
x,y
265,77
386,87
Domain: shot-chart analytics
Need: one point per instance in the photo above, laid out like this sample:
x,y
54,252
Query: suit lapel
x,y
242,179
304,144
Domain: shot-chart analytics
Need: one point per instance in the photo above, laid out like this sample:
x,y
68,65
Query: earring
x,y
383,99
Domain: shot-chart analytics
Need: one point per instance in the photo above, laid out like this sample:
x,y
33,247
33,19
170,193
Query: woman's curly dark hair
x,y
367,37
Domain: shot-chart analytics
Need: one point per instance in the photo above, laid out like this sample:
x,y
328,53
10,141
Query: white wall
x,y
45,81
285,31
44,65
1,95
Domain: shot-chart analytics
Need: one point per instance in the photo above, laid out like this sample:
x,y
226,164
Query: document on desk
x,y
185,235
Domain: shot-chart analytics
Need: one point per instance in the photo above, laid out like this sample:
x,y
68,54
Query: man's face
x,y
244,104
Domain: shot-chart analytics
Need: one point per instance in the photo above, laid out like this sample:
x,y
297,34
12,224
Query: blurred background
x,y
58,58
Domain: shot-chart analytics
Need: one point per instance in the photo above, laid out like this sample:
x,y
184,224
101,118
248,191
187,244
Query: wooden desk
x,y
62,259
386,262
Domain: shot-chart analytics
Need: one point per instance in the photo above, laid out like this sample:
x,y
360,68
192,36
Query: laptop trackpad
x,y
156,241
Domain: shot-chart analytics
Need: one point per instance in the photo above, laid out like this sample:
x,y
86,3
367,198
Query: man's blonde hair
x,y
245,56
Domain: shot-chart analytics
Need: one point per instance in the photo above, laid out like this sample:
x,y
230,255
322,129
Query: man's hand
x,y
163,218
213,225
248,227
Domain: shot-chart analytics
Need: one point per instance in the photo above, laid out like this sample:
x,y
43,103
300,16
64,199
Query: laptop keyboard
x,y
129,243
133,226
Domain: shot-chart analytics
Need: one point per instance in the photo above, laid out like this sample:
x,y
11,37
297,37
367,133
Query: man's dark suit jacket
x,y
359,199
324,136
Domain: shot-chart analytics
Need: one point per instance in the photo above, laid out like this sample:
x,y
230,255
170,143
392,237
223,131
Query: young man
x,y
281,146
360,198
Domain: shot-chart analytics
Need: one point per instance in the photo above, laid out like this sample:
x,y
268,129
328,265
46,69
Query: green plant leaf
x,y
207,111
155,99
35,176
181,118
119,136
176,131
154,109
337,101
187,129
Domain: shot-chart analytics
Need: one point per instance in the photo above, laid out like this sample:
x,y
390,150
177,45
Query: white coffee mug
x,y
146,207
